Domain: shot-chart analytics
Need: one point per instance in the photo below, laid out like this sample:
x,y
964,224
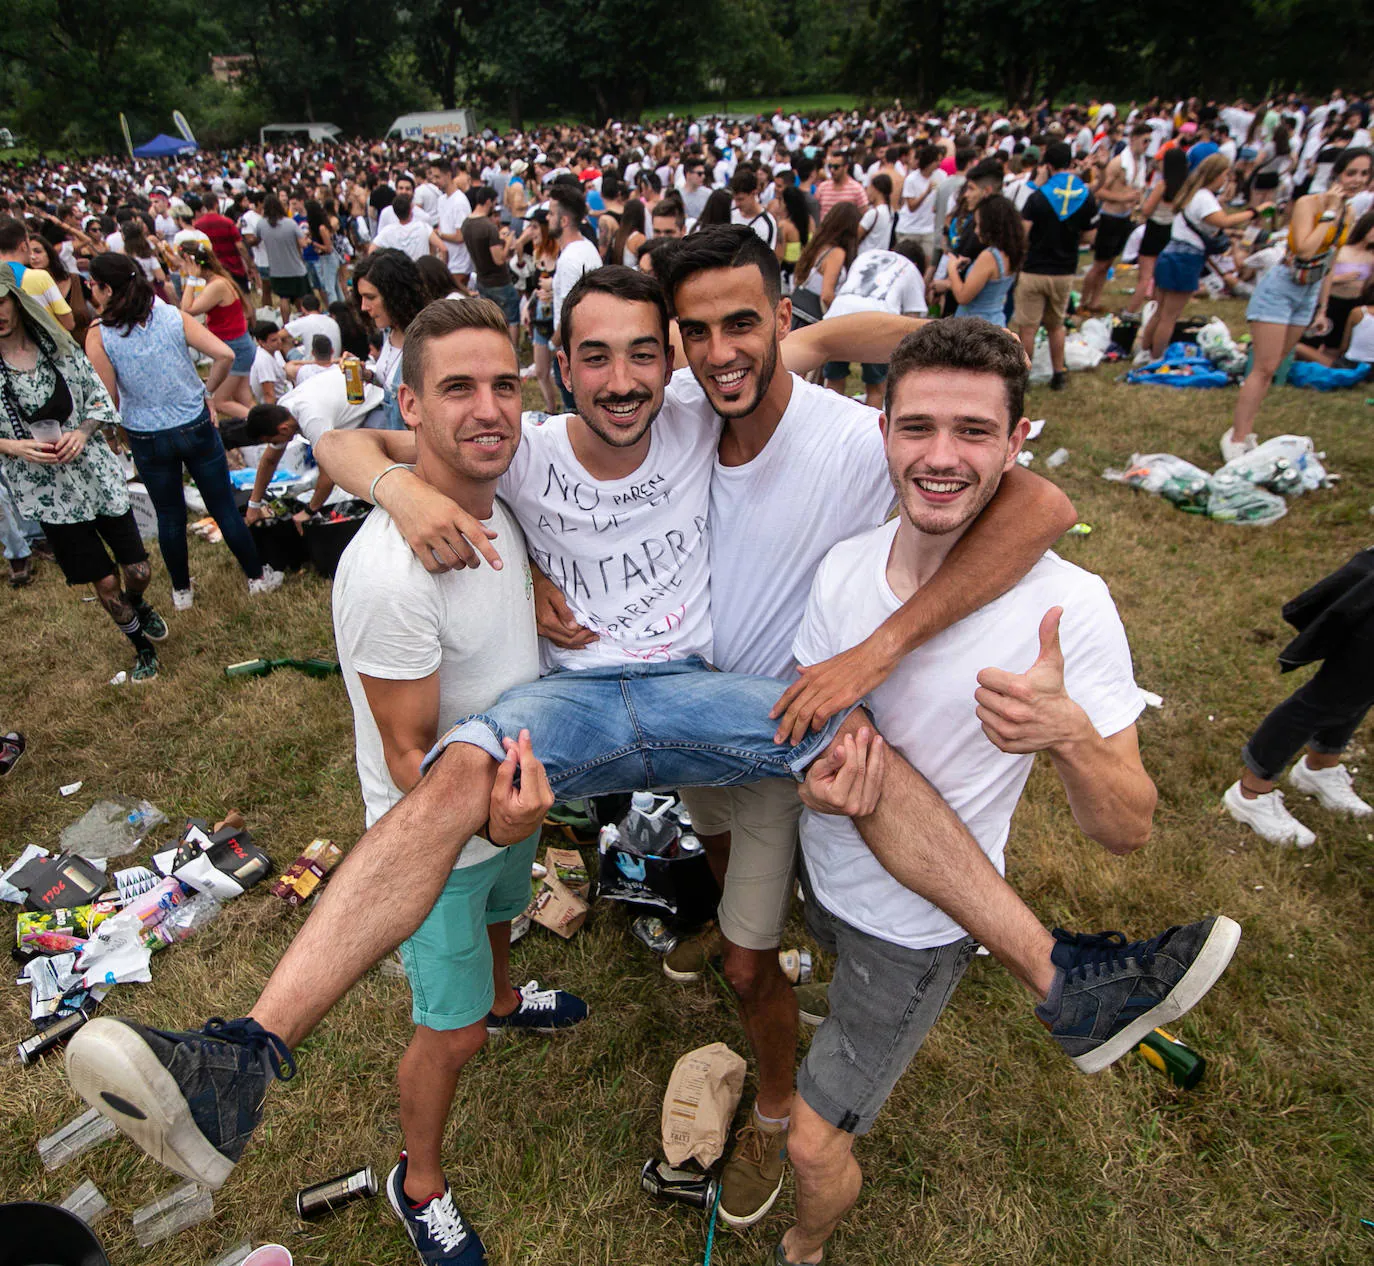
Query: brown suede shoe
x,y
752,1178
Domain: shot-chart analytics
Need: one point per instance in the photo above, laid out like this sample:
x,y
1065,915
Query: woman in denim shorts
x,y
1285,301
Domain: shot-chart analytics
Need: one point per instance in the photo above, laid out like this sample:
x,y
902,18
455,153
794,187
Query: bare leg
x,y
1144,285
1171,305
768,1011
1056,337
1027,334
717,850
136,579
504,998
873,395
364,912
1252,785
1093,281
924,846
828,1181
427,1078
836,384
543,373
1271,344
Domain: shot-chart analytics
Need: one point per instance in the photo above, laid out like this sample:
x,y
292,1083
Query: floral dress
x,y
78,491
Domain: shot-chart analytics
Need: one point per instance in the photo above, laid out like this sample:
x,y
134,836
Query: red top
x,y
224,239
227,321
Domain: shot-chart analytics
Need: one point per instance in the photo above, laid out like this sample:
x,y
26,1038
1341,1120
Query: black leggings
x,y
1323,713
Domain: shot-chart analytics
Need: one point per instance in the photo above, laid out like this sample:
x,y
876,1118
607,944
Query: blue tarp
x,y
164,146
1183,365
1306,373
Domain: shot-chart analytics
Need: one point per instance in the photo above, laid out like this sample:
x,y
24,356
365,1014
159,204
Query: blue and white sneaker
x,y
190,1100
1108,993
438,1231
540,1011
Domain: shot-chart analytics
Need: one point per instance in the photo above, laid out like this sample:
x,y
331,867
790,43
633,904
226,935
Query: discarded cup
x,y
87,1203
75,1137
173,1211
268,1255
1057,458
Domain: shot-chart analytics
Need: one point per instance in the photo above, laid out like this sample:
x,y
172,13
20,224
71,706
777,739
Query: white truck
x,y
443,125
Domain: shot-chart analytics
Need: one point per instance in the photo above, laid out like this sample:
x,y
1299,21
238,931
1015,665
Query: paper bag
x,y
700,1103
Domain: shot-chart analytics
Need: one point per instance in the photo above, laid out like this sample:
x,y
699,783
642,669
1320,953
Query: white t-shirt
x,y
876,228
166,228
248,225
763,224
630,555
267,367
922,220
411,237
926,710
1202,204
454,208
396,621
821,477
310,369
881,281
426,203
321,404
574,260
304,328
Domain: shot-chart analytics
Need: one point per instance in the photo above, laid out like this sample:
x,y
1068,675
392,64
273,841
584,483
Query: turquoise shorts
x,y
448,960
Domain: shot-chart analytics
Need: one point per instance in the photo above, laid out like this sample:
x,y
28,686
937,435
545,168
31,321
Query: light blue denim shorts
x,y
1279,300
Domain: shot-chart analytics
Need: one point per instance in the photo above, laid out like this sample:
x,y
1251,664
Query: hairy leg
x,y
427,1078
768,1011
827,1177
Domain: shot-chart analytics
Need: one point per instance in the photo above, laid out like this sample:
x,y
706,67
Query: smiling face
x,y
467,417
618,369
949,442
730,332
1356,176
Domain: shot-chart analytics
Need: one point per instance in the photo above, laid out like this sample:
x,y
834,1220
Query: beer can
x,y
35,1047
325,1197
1165,1053
353,378
684,1186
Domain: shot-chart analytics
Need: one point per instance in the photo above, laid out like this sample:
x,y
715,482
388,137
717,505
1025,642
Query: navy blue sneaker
x,y
540,1011
437,1229
1108,994
190,1100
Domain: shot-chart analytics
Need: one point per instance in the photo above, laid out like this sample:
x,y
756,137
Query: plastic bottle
x,y
174,1211
74,1138
650,829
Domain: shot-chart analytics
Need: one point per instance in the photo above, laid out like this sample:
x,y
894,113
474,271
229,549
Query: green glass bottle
x,y
1163,1051
251,668
314,667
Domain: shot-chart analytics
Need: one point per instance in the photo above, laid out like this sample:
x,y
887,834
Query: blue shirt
x,y
1203,149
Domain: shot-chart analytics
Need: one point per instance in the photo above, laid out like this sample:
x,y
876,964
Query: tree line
x,y
70,66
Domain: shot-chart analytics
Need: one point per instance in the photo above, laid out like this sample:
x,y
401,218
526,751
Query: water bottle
x,y
649,829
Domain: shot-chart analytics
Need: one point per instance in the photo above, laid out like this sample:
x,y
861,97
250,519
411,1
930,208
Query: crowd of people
x,y
691,297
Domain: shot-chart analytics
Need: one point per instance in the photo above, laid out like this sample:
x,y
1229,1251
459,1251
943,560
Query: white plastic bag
x,y
1041,369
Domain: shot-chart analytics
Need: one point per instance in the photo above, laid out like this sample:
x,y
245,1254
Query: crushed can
x,y
682,1186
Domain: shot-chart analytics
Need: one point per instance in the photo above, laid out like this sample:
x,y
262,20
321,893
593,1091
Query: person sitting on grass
x,y
321,359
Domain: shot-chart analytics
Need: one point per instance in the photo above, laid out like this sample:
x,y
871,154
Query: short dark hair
x,y
1058,156
967,343
670,205
628,284
570,200
13,233
310,301
744,181
721,246
445,316
264,421
986,172
401,205
481,195
321,345
264,330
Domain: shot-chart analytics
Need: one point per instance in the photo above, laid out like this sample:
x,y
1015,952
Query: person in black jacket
x,y
1335,619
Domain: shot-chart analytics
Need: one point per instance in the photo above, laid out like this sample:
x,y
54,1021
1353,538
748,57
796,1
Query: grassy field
x,y
807,105
992,1150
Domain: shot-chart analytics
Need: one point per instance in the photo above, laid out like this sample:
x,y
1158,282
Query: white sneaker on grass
x,y
269,581
1232,448
1266,816
1332,788
184,599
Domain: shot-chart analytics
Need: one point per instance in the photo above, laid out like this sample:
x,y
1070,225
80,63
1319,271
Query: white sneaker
x,y
1232,448
269,581
1143,356
184,599
1332,788
1266,816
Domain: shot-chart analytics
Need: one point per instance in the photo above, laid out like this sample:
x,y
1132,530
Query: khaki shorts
x,y
762,820
1041,299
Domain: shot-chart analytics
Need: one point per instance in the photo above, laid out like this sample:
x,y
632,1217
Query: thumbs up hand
x,y
1031,711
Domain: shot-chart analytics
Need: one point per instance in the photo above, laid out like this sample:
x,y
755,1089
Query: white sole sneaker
x,y
757,1216
1337,798
115,1071
1267,817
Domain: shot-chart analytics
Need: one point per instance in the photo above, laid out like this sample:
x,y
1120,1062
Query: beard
x,y
765,380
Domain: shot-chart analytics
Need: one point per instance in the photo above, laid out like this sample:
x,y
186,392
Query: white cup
x,y
268,1255
46,431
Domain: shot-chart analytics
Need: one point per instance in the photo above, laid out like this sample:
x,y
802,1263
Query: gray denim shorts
x,y
884,999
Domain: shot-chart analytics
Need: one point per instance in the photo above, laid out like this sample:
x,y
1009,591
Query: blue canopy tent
x,y
164,146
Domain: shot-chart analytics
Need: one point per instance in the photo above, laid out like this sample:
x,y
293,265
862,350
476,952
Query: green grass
x,y
992,1149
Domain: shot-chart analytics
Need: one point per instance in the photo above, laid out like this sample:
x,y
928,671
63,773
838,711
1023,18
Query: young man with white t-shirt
x,y
916,215
409,233
953,428
647,719
454,209
576,256
267,379
418,648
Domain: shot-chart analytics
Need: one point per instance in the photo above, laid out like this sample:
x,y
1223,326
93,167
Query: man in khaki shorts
x,y
1056,216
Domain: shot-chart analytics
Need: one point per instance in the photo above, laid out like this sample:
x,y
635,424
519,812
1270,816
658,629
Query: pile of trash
x,y
1249,490
1209,357
1084,348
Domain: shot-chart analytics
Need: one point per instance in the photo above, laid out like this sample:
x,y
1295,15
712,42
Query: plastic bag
x,y
1179,482
1286,464
1079,353
111,827
1096,332
1042,370
1220,348
1234,499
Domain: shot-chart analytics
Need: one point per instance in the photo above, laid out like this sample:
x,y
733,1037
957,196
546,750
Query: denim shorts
x,y
507,298
872,374
1179,268
245,348
644,727
1279,300
448,959
884,1000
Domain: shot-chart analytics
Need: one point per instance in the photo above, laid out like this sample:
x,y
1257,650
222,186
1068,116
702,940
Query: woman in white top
x,y
824,262
875,225
1357,348
1197,212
